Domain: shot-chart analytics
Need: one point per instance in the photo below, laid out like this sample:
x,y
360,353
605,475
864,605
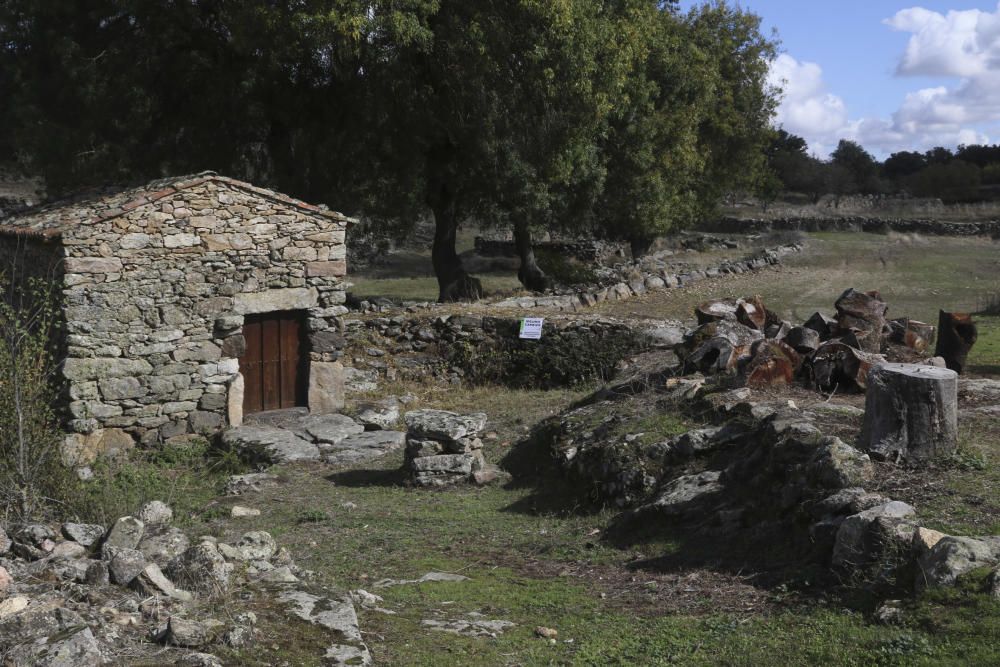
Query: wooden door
x,y
273,366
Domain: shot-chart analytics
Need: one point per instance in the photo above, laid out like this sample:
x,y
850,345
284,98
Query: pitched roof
x,y
49,220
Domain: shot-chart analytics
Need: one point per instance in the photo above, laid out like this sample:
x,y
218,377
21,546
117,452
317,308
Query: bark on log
x,y
715,310
772,363
752,313
803,339
863,314
956,335
718,347
911,412
911,333
822,325
836,366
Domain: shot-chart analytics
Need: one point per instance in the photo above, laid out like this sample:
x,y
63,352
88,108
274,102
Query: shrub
x,y
32,477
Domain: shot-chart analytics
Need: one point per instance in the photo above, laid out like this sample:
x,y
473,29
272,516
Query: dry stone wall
x,y
155,300
855,224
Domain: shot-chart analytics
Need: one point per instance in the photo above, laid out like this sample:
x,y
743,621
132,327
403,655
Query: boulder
x,y
152,581
859,539
257,545
952,557
87,534
191,634
201,568
155,513
78,649
163,546
679,495
124,565
126,533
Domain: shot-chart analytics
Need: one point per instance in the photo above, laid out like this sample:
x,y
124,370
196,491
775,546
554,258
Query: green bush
x,y
557,360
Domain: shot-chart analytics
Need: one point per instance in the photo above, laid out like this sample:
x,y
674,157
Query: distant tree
x,y
979,154
951,182
903,164
939,155
859,164
838,181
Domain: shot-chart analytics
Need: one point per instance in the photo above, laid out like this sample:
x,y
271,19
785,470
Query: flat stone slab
x,y
328,429
363,447
443,425
469,627
337,615
375,416
275,445
429,577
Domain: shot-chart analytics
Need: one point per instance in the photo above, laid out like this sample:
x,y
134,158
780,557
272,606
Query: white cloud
x,y
807,109
956,44
960,45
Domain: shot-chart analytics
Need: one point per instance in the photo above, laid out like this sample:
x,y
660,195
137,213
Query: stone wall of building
x,y
155,300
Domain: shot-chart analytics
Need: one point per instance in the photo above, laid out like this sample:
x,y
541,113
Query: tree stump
x,y
911,412
956,335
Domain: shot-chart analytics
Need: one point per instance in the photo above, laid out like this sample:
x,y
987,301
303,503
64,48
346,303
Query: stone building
x,y
186,303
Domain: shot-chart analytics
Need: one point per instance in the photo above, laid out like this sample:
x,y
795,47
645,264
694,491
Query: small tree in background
x,y
31,472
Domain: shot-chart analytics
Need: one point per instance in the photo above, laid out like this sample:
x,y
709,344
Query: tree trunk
x,y
454,284
911,412
530,274
955,337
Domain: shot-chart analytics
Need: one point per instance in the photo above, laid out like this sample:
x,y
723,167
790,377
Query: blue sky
x,y
891,75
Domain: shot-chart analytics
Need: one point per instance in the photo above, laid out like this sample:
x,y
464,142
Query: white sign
x,y
531,327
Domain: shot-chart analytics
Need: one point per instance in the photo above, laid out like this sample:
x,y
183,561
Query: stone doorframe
x,y
325,378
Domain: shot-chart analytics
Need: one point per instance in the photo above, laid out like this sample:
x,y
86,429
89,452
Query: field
x,y
534,553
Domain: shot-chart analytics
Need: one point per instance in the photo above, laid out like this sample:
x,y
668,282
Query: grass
x,y
535,558
424,288
188,479
917,276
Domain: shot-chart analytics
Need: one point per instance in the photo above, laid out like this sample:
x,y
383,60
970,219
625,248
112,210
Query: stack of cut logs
x,y
742,337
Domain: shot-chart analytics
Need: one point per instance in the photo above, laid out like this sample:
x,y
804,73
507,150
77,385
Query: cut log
x,y
715,310
911,412
863,314
777,331
771,363
753,313
822,325
913,334
956,335
803,339
717,347
836,366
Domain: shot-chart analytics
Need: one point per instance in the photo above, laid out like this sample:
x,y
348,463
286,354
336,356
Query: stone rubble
x,y
333,438
142,580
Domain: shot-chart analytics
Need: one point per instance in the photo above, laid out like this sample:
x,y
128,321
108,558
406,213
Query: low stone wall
x,y
648,280
855,224
488,350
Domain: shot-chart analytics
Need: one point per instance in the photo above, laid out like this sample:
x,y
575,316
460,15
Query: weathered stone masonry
x,y
156,283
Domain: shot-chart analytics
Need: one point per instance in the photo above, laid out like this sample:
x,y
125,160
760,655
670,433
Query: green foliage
x,y
565,270
557,360
31,471
186,478
951,182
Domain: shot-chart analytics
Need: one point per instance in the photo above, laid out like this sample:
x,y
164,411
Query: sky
x,y
890,75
